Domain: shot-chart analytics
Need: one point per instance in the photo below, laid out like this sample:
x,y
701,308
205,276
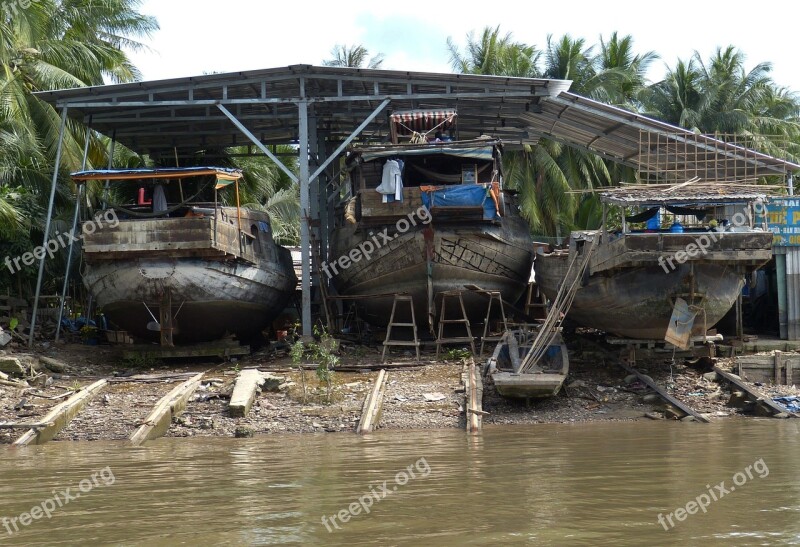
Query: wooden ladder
x,y
535,299
493,295
413,324
444,321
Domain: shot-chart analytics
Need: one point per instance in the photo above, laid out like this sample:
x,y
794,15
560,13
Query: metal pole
x,y
79,191
305,211
110,164
47,222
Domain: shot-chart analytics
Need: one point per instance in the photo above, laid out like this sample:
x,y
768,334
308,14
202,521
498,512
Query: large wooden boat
x,y
635,275
453,226
183,267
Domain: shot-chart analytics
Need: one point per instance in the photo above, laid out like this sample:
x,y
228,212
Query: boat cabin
x,y
704,223
456,181
175,212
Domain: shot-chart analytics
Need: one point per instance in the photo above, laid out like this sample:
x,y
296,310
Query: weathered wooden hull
x,y
214,297
428,260
637,302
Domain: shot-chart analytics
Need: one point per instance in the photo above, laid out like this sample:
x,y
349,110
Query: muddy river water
x,y
734,482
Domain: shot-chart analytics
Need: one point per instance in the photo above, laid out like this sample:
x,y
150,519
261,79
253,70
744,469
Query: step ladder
x,y
493,296
535,299
440,340
413,324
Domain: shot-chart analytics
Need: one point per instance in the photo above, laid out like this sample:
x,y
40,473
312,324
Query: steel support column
x,y
47,222
305,211
78,193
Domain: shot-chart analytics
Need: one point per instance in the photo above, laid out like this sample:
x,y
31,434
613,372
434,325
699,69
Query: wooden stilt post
x,y
166,319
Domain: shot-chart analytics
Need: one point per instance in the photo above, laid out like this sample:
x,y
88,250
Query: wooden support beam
x,y
373,405
754,393
60,416
777,364
244,392
165,319
664,395
173,403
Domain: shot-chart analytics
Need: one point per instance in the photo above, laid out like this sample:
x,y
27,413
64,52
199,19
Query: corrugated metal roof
x,y
182,114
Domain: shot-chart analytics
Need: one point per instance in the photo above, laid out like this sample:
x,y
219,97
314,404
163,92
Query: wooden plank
x,y
513,350
373,405
753,392
25,425
664,395
474,390
172,404
244,392
160,352
60,416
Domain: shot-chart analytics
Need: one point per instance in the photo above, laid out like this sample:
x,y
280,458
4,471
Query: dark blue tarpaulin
x,y
463,195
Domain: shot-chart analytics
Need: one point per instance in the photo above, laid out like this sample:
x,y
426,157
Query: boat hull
x,y
427,261
210,298
637,302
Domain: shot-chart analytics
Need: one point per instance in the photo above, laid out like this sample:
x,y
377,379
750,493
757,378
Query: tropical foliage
x,y
718,97
355,56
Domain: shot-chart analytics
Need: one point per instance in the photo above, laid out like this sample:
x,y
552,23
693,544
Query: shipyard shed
x,y
322,110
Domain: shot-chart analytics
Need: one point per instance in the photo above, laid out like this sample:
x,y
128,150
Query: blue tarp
x,y
791,402
463,195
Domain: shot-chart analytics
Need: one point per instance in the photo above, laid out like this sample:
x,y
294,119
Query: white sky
x,y
200,36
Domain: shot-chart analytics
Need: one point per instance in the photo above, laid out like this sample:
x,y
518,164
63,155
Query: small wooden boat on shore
x,y
427,217
512,379
184,269
636,275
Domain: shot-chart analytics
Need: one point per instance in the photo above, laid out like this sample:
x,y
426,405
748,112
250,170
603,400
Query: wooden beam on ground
x,y
754,393
60,416
25,425
244,392
373,405
664,395
474,389
173,403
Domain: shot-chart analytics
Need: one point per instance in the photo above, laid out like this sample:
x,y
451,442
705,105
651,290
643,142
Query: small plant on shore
x,y
456,354
323,353
297,352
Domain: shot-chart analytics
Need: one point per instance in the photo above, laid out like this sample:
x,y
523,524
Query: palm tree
x,y
495,54
267,188
355,56
547,174
45,45
722,98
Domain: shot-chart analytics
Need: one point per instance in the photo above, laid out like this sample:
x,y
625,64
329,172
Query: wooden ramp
x,y
173,403
59,416
373,405
664,395
772,407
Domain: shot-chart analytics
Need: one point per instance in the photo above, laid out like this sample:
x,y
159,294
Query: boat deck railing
x,y
752,248
193,236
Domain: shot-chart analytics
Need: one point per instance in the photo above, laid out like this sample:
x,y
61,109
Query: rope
x,y
421,138
561,304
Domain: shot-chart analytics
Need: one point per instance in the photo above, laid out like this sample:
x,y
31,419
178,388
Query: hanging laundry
x,y
392,181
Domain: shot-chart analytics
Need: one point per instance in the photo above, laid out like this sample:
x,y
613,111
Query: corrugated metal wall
x,y
787,263
793,293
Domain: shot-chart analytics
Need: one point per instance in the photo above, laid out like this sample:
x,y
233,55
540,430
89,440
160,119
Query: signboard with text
x,y
784,221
